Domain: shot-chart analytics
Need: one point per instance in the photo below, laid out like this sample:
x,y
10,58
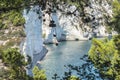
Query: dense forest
x,y
104,54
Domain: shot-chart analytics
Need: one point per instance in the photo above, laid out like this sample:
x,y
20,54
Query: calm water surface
x,y
65,53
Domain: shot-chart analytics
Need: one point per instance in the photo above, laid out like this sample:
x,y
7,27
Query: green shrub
x,y
39,74
4,74
74,78
105,55
16,18
3,26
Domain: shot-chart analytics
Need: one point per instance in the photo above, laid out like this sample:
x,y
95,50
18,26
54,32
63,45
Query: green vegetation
x,y
11,3
16,18
3,26
39,74
16,64
105,55
115,22
12,17
74,78
4,74
67,76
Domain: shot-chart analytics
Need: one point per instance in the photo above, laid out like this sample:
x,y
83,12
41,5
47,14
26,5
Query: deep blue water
x,y
65,53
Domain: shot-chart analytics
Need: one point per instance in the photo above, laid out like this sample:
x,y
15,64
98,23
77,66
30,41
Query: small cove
x,y
67,52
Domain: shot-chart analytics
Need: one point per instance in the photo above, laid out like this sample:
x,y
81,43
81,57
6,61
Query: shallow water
x,y
65,53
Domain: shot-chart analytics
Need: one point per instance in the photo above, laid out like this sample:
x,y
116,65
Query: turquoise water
x,y
65,53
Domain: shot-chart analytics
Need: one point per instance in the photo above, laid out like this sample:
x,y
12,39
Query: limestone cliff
x,y
81,25
33,44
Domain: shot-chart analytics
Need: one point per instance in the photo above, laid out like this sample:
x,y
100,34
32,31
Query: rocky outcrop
x,y
81,25
33,30
33,44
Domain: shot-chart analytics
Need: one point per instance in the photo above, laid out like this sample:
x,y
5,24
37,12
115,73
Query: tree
x,y
39,74
105,56
16,64
115,22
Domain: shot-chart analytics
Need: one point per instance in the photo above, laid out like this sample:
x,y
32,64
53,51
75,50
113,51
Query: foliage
x,y
105,56
116,7
117,42
16,66
115,22
101,50
3,26
38,74
11,3
13,57
14,17
15,62
74,78
4,74
9,15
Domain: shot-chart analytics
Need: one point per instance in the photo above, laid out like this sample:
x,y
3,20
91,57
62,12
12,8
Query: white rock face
x,y
67,27
33,32
33,28
33,44
99,9
72,27
49,32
